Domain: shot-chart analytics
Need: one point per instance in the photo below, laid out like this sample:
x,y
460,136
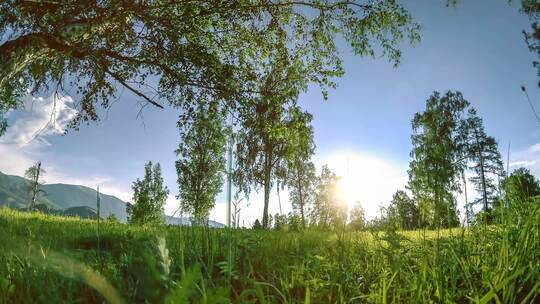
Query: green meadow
x,y
50,259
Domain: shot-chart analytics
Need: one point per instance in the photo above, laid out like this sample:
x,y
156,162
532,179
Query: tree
x,y
484,159
532,9
257,225
520,186
329,209
301,170
201,160
6,105
35,175
112,218
403,211
357,217
281,222
149,196
260,148
435,166
182,52
264,147
294,222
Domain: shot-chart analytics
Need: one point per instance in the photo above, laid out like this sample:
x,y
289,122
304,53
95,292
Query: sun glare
x,y
365,178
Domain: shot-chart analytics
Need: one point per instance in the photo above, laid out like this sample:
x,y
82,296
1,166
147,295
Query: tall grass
x,y
53,259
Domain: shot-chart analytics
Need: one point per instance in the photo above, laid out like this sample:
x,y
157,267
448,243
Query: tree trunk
x,y
467,211
302,209
482,174
267,186
35,186
301,197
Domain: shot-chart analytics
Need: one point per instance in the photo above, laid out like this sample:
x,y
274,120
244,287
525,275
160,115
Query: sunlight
x,y
365,178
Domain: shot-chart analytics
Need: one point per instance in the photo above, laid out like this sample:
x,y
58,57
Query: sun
x,y
349,190
365,178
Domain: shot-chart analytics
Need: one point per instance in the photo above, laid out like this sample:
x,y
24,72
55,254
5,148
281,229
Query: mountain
x,y
82,212
70,200
186,221
69,196
14,194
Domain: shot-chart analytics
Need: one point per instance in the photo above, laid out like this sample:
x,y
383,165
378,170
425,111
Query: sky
x,y
362,132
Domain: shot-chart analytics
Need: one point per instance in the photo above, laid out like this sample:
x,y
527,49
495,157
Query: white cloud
x,y
39,117
13,160
527,157
535,148
523,163
26,137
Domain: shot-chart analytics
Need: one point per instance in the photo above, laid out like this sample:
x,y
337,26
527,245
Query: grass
x,y
49,259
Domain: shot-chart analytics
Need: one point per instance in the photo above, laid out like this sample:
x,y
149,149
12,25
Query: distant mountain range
x,y
71,200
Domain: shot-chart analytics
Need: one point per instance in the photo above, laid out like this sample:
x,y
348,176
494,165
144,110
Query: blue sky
x,y
362,131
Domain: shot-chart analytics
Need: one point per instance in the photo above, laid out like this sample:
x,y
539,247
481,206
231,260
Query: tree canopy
x,y
436,153
520,186
329,208
532,37
481,154
403,211
201,162
301,175
180,52
149,196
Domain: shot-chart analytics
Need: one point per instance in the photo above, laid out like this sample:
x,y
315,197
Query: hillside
x,y
72,200
14,194
186,221
69,196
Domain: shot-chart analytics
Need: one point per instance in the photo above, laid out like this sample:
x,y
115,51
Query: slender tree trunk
x,y
482,174
279,198
301,196
483,177
467,211
302,207
267,187
35,186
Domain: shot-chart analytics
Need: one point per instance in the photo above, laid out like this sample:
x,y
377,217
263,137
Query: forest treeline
x,y
451,150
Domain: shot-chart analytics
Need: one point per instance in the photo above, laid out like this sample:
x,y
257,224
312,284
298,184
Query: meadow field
x,y
50,259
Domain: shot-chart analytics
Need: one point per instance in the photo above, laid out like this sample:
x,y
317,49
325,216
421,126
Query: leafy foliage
x,y
149,196
403,211
357,217
532,9
435,165
330,208
257,224
301,177
184,52
274,133
520,186
483,157
201,160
